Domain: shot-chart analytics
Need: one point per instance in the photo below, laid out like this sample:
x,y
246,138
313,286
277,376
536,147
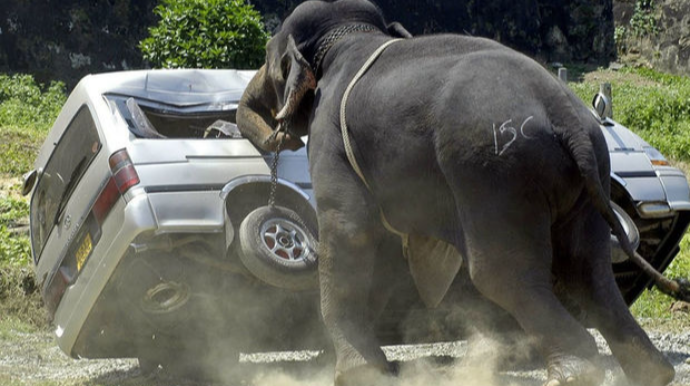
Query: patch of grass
x,y
24,103
654,304
15,249
12,326
656,106
18,149
20,297
27,110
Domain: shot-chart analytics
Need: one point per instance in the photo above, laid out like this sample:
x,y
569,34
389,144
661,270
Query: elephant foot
x,y
658,376
364,376
573,371
646,367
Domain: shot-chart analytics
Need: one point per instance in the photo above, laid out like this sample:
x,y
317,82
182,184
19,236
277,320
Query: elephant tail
x,y
581,148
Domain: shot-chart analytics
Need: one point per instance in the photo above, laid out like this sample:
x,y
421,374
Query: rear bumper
x,y
90,309
79,299
199,211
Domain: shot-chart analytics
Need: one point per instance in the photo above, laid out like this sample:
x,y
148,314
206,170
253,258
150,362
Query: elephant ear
x,y
299,79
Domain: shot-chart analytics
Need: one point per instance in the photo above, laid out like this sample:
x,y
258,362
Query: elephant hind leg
x,y
584,246
510,255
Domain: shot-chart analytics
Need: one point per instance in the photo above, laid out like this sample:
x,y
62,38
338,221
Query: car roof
x,y
179,87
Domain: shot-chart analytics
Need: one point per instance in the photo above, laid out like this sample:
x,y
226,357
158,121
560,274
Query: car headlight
x,y
655,156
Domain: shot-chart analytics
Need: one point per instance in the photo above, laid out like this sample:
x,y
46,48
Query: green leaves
x,y
206,34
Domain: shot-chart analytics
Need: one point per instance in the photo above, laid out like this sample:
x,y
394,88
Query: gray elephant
x,y
456,146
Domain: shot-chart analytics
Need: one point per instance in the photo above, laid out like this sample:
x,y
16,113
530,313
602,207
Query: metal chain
x,y
274,167
284,127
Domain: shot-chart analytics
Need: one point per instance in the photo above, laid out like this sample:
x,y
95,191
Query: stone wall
x,y
553,30
667,47
68,39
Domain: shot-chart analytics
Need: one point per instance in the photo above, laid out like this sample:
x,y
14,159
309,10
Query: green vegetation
x,y
654,105
206,34
14,247
643,23
654,304
27,110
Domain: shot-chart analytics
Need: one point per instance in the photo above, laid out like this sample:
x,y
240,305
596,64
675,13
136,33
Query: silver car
x,y
158,231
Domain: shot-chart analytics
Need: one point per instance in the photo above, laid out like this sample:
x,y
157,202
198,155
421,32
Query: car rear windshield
x,y
155,120
72,155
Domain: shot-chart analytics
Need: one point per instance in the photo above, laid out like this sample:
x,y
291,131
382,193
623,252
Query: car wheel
x,y
279,248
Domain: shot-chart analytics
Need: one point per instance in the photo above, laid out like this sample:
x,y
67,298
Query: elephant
x,y
461,145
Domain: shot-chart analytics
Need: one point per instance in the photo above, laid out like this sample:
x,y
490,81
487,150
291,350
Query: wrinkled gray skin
x,y
464,140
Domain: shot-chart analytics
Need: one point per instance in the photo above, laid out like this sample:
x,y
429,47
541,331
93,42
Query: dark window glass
x,y
73,153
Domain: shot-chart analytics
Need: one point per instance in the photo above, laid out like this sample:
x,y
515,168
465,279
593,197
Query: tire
x,y
279,248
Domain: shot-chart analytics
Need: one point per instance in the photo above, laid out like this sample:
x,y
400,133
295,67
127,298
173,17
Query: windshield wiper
x,y
68,190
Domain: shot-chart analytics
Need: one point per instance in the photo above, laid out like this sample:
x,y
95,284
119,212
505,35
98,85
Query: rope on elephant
x,y
346,137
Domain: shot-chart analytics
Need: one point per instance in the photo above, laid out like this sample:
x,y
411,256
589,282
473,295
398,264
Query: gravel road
x,y
34,360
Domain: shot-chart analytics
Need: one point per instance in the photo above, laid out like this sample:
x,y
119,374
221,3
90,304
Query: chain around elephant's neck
x,y
334,36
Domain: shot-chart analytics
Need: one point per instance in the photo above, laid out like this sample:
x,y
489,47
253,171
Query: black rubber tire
x,y
279,248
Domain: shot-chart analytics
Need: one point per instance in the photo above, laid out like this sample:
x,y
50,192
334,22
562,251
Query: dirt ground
x,y
33,359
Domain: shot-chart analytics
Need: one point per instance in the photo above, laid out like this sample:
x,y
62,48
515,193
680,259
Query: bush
x,y
206,34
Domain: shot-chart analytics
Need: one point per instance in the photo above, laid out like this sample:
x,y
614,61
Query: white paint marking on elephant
x,y
504,128
522,128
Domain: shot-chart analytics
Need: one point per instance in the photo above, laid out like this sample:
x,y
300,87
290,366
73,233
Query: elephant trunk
x,y
256,116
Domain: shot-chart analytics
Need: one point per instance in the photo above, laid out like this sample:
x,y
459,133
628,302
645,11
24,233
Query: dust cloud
x,y
480,365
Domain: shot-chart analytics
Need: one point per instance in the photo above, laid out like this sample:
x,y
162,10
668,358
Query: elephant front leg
x,y
346,267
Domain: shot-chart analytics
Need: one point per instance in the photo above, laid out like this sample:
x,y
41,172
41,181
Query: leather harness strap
x,y
346,136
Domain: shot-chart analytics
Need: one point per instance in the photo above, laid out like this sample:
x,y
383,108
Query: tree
x,y
206,34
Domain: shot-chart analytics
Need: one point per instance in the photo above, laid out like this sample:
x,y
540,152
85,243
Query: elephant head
x,y
282,91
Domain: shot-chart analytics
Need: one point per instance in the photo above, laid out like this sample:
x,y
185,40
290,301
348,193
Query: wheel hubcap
x,y
285,239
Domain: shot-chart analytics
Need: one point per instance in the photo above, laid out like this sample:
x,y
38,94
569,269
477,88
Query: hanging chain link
x,y
284,128
274,167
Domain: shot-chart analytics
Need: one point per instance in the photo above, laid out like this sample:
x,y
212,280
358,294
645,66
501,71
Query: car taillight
x,y
123,171
56,289
124,176
108,197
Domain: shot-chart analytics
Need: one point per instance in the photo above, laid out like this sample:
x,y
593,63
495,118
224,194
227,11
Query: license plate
x,y
84,251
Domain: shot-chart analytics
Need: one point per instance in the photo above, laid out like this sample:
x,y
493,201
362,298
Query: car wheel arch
x,y
241,196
